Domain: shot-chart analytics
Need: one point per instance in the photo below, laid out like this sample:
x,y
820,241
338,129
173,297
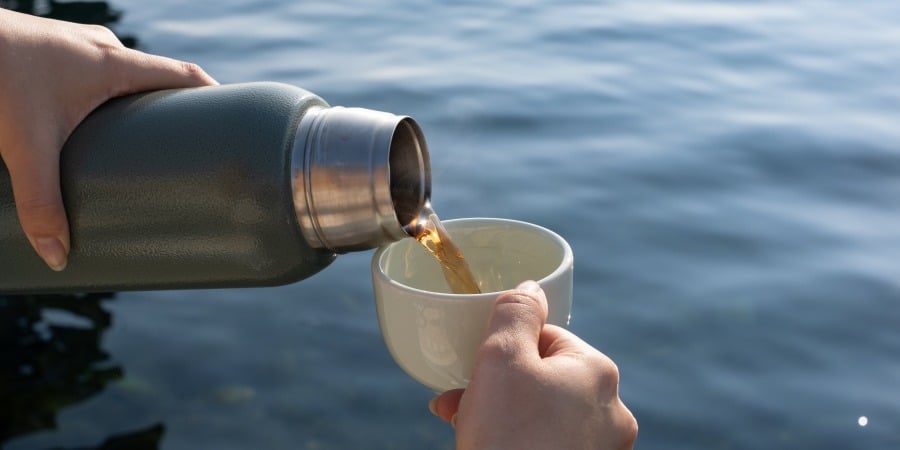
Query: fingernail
x,y
530,286
432,406
53,253
453,420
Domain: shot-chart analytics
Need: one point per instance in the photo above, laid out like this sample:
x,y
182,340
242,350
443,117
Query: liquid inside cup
x,y
500,255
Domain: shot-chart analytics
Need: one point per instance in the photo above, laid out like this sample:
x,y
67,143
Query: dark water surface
x,y
728,175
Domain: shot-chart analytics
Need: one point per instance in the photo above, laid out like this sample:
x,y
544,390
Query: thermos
x,y
226,186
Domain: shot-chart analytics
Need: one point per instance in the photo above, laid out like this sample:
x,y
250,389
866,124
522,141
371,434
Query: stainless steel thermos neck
x,y
359,177
226,186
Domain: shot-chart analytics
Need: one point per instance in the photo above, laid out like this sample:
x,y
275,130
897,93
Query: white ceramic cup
x,y
434,334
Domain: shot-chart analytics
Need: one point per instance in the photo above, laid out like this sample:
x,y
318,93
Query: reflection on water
x,y
95,13
51,344
52,359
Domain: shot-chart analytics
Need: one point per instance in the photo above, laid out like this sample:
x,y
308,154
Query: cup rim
x,y
567,261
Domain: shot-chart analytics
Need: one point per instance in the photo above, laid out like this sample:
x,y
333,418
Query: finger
x,y
559,342
566,348
625,421
36,190
556,340
516,322
446,405
139,71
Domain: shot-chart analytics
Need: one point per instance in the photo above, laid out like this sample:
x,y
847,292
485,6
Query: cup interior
x,y
501,253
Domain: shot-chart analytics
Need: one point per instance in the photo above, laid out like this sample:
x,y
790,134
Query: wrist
x,y
9,26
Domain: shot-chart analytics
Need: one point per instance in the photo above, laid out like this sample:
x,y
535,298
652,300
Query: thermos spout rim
x,y
359,176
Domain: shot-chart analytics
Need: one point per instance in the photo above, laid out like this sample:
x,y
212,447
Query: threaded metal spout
x,y
359,176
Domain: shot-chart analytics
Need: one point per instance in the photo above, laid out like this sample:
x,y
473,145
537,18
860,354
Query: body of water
x,y
727,173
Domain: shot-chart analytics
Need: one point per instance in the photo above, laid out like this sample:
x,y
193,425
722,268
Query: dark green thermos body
x,y
228,186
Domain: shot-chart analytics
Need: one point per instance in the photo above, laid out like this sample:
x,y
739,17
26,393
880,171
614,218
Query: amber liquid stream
x,y
428,230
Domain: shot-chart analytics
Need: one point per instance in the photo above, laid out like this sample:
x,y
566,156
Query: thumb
x,y
138,71
36,190
515,326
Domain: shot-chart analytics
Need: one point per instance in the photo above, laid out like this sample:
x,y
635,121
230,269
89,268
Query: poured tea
x,y
428,230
